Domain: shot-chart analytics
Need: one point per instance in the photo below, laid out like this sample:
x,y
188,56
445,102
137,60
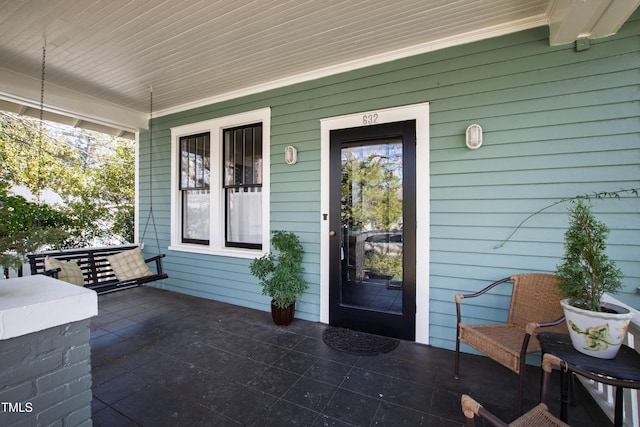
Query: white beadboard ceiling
x,y
103,56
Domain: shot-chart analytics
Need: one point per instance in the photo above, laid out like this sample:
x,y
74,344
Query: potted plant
x,y
280,274
585,274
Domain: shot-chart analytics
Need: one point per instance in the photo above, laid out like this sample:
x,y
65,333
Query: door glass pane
x,y
372,224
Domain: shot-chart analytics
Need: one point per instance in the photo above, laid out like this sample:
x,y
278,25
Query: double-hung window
x,y
220,185
243,186
195,172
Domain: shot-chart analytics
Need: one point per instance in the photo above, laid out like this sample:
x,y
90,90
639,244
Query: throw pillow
x,y
69,271
129,265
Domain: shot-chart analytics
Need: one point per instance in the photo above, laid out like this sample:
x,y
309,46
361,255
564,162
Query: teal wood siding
x,y
557,123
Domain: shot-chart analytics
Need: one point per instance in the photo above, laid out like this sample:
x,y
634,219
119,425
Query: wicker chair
x,y
539,416
535,303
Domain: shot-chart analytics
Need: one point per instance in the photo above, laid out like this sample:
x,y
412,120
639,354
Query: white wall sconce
x,y
290,155
474,137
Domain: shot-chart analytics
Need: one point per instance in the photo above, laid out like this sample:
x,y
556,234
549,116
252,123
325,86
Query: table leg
x,y
564,394
619,404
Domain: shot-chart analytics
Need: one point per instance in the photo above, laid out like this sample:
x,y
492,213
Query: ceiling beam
x,y
570,20
24,90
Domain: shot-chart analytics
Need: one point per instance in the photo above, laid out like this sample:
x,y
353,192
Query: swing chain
x,y
150,216
39,183
44,56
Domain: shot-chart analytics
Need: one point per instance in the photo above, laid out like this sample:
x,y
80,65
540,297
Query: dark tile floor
x,y
167,359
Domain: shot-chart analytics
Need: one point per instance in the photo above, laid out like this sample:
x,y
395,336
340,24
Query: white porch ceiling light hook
x,y
474,136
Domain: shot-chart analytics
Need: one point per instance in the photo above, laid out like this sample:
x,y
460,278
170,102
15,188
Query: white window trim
x,y
217,218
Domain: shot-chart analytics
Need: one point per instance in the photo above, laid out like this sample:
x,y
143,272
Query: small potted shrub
x,y
280,274
585,274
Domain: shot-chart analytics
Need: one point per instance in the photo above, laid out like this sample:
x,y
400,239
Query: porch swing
x,y
103,269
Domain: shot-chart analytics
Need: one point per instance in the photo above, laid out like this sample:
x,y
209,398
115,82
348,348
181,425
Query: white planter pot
x,y
594,333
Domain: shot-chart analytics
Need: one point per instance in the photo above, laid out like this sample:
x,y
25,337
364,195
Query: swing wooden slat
x,y
96,269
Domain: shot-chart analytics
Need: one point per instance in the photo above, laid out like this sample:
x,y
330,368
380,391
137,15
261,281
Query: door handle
x,y
332,233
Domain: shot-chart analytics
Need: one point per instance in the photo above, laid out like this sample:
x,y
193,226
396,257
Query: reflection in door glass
x,y
371,214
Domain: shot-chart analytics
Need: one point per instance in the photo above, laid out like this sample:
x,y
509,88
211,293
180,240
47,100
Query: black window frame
x,y
242,180
201,182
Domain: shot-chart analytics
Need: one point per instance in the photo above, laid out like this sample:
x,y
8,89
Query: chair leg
x,y
520,391
545,379
523,368
457,358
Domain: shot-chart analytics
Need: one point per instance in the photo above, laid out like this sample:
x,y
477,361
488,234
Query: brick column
x,y
45,377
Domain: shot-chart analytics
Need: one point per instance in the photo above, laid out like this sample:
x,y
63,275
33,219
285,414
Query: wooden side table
x,y
622,372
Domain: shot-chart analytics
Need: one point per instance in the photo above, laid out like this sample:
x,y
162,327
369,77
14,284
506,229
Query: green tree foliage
x,y
115,178
93,174
372,193
26,226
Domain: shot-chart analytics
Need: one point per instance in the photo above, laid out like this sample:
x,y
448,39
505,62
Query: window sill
x,y
227,252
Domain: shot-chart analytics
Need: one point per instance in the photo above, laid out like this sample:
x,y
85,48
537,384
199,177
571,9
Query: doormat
x,y
358,343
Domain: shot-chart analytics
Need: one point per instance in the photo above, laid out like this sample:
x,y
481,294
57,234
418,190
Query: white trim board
x,y
215,127
419,113
356,64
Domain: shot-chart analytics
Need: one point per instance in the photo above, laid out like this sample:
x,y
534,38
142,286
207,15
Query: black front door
x,y
372,246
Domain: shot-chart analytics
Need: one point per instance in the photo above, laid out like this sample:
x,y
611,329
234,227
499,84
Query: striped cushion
x,y
69,271
129,265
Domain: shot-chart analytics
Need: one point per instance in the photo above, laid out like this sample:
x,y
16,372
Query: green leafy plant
x,y
586,272
381,265
280,271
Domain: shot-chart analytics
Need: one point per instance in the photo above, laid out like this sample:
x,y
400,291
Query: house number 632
x,y
370,119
